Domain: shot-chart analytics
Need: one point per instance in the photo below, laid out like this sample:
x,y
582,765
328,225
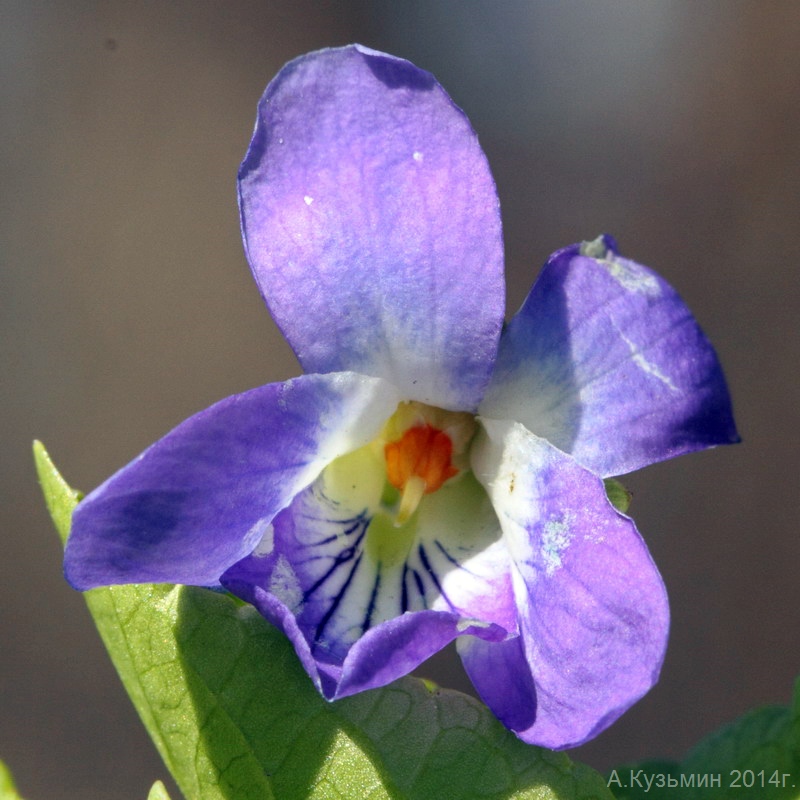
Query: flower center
x,y
422,444
417,464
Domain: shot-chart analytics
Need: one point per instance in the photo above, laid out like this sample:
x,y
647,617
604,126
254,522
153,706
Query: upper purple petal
x,y
201,498
606,362
372,225
593,611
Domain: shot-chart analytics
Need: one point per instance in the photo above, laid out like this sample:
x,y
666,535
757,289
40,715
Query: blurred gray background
x,y
127,303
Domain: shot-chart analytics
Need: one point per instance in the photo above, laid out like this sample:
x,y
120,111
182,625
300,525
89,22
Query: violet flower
x,y
433,476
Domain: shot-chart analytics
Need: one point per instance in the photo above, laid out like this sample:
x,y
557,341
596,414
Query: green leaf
x,y
59,497
8,791
234,716
757,757
158,792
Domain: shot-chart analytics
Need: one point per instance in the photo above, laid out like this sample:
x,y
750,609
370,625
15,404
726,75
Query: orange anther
x,y
423,452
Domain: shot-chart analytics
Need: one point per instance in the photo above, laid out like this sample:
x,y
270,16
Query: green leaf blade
x,y
158,792
8,789
59,497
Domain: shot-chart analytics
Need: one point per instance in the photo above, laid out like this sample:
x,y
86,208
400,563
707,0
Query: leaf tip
x,y
59,496
158,792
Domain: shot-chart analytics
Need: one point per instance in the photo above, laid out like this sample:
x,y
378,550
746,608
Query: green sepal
x,y
756,757
234,716
618,495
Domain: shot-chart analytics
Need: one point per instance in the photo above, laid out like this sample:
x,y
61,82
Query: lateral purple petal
x,y
606,362
501,674
201,498
593,611
371,223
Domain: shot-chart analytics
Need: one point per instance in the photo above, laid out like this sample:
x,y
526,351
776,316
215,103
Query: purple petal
x,y
606,362
396,647
592,607
201,498
372,225
370,601
383,654
501,673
